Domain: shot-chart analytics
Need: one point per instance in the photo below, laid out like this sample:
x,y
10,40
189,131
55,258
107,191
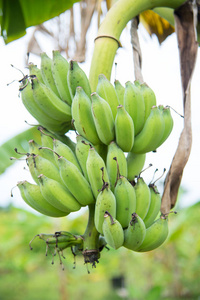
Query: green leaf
x,y
20,142
16,16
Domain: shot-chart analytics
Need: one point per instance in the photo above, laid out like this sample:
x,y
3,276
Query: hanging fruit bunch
x,y
115,128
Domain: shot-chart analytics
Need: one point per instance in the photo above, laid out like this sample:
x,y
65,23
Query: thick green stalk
x,y
106,43
91,235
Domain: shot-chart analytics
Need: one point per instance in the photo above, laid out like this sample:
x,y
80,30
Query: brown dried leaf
x,y
185,21
87,11
137,53
154,24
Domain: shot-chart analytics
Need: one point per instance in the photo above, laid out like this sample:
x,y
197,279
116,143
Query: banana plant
x,y
106,44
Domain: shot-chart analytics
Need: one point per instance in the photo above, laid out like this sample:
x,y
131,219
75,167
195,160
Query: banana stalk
x,y
107,40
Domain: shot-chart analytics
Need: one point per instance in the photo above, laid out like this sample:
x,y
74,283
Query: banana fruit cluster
x,y
115,128
60,186
47,92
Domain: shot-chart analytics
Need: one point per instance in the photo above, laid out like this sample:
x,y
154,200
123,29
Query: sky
x,y
160,71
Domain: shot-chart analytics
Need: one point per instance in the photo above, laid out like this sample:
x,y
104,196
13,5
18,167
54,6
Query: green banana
x,y
112,231
151,134
57,194
166,113
135,164
143,197
40,165
115,163
82,150
107,91
82,116
75,182
134,105
63,150
96,171
60,239
31,194
125,201
156,234
120,90
35,148
47,100
102,150
138,84
154,207
124,129
47,76
76,77
34,70
40,115
149,99
105,202
59,68
103,119
46,138
135,234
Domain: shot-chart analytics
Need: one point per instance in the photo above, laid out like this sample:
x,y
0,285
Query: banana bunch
x,y
60,186
47,92
129,216
127,115
115,128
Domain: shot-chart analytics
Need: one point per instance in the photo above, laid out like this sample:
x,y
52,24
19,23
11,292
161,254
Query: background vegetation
x,y
169,272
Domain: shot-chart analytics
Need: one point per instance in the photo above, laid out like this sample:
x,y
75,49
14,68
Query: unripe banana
x,y
115,163
75,182
154,207
120,90
151,134
82,150
102,150
35,148
143,197
40,165
46,138
135,164
57,194
31,194
124,129
107,91
40,115
125,201
63,150
50,103
166,113
61,239
59,68
134,105
45,66
149,99
82,116
135,234
156,234
94,166
103,119
34,70
112,231
77,77
105,202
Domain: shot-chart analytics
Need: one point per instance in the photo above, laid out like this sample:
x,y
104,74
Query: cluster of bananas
x,y
116,126
47,92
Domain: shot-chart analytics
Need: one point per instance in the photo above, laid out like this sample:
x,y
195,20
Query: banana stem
x,y
107,40
91,239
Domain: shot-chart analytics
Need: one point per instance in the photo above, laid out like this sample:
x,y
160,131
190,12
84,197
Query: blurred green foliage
x,y
169,272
